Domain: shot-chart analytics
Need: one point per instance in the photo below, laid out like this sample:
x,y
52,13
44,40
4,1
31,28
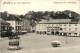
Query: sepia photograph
x,y
39,26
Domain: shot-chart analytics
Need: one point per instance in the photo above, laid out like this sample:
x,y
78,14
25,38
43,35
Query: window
x,y
64,24
45,25
20,28
69,24
52,25
56,24
60,24
48,24
75,33
7,27
3,27
16,27
69,29
18,22
60,28
75,24
48,31
75,29
64,28
69,33
39,24
39,28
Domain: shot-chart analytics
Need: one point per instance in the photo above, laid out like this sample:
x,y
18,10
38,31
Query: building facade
x,y
4,27
15,23
63,27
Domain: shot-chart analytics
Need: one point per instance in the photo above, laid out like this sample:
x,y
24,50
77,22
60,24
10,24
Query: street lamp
x,y
66,39
67,33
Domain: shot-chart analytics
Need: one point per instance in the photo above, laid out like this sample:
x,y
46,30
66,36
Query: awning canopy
x,y
24,31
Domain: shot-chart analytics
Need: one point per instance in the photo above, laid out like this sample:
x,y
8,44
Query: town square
x,y
35,43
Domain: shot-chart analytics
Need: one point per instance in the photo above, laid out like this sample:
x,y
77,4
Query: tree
x,y
21,16
33,24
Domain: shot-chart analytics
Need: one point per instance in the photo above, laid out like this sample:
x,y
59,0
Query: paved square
x,y
35,43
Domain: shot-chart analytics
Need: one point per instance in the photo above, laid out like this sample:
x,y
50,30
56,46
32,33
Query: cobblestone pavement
x,y
33,43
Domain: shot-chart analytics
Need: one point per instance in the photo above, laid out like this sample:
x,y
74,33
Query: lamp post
x,y
66,39
67,34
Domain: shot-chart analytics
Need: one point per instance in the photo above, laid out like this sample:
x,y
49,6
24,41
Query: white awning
x,y
24,31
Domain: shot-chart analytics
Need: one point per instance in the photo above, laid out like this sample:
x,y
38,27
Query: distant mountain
x,y
59,15
37,16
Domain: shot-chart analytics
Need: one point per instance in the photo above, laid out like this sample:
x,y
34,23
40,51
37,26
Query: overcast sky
x,y
39,5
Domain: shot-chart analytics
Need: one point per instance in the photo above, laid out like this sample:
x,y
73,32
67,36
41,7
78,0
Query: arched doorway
x,y
65,34
60,34
52,33
44,32
41,32
37,32
75,34
69,34
57,33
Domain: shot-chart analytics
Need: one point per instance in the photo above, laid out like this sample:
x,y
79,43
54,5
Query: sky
x,y
24,6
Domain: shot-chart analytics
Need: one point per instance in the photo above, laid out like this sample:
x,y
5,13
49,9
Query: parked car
x,y
56,43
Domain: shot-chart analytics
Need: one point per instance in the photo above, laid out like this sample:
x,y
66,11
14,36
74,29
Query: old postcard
x,y
40,26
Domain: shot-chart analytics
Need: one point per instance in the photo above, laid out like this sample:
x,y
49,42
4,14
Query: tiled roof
x,y
13,17
79,18
56,21
2,22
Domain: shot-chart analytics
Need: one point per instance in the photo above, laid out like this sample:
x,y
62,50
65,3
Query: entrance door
x,y
60,34
65,34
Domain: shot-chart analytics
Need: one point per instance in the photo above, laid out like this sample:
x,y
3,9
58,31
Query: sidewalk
x,y
3,38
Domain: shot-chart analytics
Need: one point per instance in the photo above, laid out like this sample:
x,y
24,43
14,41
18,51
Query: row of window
x,y
7,27
55,24
18,23
4,27
63,29
52,27
59,29
70,29
18,27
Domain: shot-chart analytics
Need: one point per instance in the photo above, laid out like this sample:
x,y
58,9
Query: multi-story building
x,y
59,27
15,22
4,27
25,25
